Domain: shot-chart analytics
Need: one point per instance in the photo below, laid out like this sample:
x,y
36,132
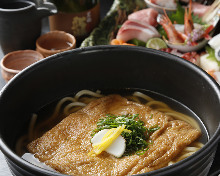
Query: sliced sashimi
x,y
139,24
199,9
147,16
132,31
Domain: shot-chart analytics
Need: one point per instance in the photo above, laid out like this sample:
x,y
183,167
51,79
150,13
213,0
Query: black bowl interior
x,y
107,68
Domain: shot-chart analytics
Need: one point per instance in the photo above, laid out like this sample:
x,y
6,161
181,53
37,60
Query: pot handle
x,y
45,8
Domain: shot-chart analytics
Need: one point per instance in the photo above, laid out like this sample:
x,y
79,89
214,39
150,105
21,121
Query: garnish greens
x,y
161,31
136,140
211,53
178,16
137,42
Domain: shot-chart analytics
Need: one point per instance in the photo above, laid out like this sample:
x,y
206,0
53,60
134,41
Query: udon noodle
x,y
69,105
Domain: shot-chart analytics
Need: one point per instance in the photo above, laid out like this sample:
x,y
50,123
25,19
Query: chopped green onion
x,y
136,140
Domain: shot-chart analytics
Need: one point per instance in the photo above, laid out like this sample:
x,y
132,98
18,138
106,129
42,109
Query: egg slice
x,y
117,147
109,141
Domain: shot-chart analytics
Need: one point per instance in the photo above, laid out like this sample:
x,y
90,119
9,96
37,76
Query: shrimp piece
x,y
188,22
173,35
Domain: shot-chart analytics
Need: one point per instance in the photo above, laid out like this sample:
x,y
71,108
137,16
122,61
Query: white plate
x,y
159,8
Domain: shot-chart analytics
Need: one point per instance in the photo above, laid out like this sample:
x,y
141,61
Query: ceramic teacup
x,y
55,42
13,62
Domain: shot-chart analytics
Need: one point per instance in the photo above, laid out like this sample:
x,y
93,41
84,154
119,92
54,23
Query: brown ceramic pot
x,y
15,61
79,24
55,42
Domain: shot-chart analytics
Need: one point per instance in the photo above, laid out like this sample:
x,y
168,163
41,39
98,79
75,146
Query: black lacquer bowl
x,y
110,67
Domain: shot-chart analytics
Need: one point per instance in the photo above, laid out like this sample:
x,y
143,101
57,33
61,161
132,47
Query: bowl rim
x,y
210,145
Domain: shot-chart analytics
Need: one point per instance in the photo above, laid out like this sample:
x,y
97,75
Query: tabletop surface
x,y
105,5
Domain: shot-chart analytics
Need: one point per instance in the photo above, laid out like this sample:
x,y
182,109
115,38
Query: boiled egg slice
x,y
109,140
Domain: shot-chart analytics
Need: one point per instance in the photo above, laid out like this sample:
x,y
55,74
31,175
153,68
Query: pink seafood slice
x,y
199,9
147,16
132,29
139,24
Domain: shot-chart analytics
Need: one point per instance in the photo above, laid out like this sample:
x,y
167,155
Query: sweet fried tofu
x,y
65,147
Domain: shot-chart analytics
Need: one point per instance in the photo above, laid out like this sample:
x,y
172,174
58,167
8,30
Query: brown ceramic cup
x,y
55,42
13,62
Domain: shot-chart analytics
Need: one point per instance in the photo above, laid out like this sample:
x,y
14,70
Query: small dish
x,y
159,8
210,18
182,47
13,62
55,42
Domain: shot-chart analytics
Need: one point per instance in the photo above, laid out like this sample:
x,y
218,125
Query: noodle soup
x,y
156,102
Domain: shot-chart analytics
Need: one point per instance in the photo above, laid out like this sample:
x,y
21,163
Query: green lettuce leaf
x,y
178,16
211,53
